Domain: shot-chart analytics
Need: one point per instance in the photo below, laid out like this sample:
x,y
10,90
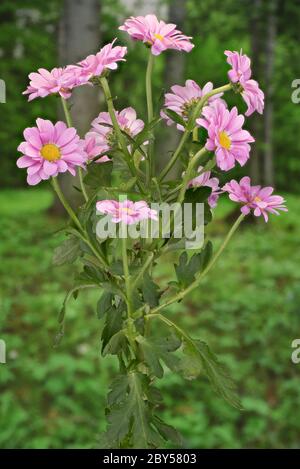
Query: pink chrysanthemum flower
x,y
92,149
241,66
50,149
58,80
225,135
204,179
102,131
241,74
157,34
106,59
253,96
255,198
184,98
127,212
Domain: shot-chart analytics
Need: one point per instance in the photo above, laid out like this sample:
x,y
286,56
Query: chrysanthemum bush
x,y
115,165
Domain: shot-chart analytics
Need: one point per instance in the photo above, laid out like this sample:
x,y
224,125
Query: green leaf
x,y
199,358
118,390
218,375
190,365
67,252
98,175
167,431
150,291
117,343
113,325
187,269
197,195
130,419
174,117
104,304
155,350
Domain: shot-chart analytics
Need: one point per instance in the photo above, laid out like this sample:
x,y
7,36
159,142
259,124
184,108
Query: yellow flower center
x,y
225,141
50,152
128,210
158,36
257,199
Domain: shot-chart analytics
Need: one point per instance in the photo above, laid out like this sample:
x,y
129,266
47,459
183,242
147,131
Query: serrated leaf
x,y
167,431
218,375
118,390
197,195
67,252
98,175
104,304
131,418
150,291
113,324
187,269
117,343
157,350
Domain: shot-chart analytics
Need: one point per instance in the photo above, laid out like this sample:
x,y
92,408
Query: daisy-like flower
x,y
204,179
126,212
103,133
184,98
157,34
92,149
50,149
58,80
225,135
240,74
255,198
106,59
241,66
253,96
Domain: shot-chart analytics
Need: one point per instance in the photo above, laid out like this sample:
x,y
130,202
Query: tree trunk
x,y
269,70
256,18
79,36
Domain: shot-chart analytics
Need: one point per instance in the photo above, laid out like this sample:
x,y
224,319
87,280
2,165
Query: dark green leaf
x,y
151,291
175,117
104,304
98,175
67,252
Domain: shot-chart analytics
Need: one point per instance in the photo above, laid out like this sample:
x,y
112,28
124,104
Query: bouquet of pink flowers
x,y
131,217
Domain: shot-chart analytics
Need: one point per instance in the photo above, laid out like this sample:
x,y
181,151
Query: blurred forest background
x,y
248,309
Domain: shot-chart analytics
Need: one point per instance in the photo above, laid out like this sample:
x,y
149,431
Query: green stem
x,y
190,127
120,136
57,189
67,112
143,270
82,234
150,161
149,86
70,124
196,282
126,274
188,174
